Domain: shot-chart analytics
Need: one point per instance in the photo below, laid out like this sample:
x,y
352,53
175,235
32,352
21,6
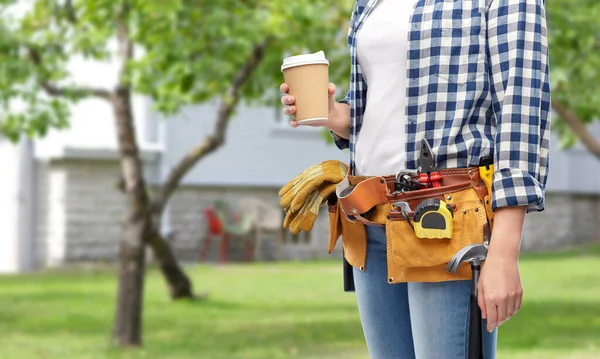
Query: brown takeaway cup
x,y
308,78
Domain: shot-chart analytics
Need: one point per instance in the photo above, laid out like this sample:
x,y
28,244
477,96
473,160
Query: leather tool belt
x,y
369,200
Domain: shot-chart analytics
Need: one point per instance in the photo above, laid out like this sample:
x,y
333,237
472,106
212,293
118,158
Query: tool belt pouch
x,y
469,226
462,191
353,234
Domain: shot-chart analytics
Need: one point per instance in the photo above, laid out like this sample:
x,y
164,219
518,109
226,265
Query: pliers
x,y
428,173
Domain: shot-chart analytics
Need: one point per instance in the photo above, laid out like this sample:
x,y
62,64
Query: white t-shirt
x,y
382,53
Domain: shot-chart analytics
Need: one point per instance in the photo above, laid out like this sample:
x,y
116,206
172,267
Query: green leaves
x,y
191,51
36,120
186,51
202,47
574,40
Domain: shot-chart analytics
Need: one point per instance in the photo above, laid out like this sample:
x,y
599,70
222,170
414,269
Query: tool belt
x,y
424,227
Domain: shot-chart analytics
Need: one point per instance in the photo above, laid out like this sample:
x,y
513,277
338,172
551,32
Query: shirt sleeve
x,y
519,75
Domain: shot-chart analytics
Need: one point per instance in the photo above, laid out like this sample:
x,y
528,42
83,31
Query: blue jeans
x,y
412,320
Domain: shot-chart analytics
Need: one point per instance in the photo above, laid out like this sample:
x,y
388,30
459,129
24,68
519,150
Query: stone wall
x,y
567,220
81,216
81,213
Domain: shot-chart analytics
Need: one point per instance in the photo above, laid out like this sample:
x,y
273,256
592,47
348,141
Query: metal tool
x,y
404,208
428,173
475,254
433,219
407,180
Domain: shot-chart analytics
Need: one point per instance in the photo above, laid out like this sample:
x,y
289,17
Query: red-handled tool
x,y
428,173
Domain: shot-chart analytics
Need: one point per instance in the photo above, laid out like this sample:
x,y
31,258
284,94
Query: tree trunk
x,y
128,316
179,284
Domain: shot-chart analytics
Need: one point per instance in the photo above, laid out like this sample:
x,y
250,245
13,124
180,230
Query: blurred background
x,y
142,149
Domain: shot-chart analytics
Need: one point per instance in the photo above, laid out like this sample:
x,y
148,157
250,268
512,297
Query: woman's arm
x,y
499,287
518,64
520,89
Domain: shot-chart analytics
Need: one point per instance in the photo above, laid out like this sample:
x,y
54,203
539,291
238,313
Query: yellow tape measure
x,y
433,219
486,171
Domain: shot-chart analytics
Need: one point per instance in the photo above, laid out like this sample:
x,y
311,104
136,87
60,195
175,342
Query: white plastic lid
x,y
306,59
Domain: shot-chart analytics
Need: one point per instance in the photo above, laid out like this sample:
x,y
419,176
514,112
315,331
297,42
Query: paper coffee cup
x,y
308,78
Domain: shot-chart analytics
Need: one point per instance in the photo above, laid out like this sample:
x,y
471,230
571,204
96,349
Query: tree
x,y
177,52
574,41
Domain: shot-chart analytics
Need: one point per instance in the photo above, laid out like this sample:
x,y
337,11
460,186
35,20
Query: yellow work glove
x,y
296,192
304,219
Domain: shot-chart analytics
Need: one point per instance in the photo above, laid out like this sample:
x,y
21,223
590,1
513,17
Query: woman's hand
x,y
338,118
500,292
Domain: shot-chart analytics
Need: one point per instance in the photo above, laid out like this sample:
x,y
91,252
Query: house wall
x,y
189,226
17,206
568,220
81,213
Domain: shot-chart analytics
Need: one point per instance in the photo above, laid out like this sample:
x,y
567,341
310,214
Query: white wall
x,y
259,151
17,211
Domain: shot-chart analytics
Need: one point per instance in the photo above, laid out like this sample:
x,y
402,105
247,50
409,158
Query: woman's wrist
x,y
507,233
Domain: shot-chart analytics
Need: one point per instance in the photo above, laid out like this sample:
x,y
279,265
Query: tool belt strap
x,y
358,195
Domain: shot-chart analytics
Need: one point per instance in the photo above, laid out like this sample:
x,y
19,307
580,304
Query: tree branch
x,y
71,15
124,43
215,140
577,127
58,91
79,91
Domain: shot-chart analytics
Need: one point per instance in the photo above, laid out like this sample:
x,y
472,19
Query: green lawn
x,y
269,311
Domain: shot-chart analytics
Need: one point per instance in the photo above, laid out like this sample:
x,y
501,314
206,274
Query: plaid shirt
x,y
477,85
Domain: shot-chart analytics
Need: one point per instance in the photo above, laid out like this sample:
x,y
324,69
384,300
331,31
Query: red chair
x,y
215,228
236,225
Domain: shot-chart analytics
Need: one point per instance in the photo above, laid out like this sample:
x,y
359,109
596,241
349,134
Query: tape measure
x,y
433,219
486,171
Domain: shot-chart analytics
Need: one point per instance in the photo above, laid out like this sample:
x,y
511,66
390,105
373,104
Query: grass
x,y
270,311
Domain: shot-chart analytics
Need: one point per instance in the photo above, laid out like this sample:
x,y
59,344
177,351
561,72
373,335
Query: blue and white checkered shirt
x,y
477,85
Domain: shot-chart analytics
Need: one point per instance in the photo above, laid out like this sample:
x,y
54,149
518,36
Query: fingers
x,y
492,316
481,301
288,100
513,304
502,308
331,89
289,110
519,301
510,310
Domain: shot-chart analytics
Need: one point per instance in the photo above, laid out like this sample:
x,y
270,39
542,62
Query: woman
x,y
472,78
